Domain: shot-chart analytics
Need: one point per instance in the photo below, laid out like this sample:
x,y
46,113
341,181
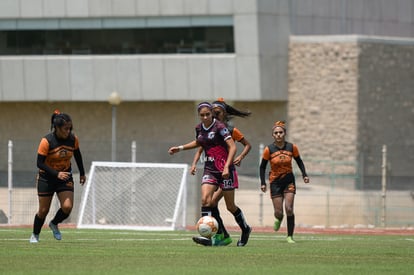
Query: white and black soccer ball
x,y
207,226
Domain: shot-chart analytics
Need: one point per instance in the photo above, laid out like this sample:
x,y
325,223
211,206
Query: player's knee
x,y
214,203
206,202
231,208
278,214
67,209
289,211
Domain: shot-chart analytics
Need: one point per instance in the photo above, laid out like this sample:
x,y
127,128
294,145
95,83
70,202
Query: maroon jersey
x,y
213,141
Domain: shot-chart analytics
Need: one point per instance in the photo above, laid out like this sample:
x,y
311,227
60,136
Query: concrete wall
x,y
327,82
363,17
257,71
135,78
323,97
155,126
386,104
348,96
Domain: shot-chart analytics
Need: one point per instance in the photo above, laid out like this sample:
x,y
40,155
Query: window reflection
x,y
185,40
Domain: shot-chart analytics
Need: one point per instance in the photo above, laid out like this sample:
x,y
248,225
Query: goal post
x,y
137,196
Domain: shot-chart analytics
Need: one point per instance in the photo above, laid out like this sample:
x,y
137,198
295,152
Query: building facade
x,y
159,89
355,95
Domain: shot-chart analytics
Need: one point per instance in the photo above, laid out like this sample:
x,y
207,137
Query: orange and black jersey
x,y
54,155
280,162
235,133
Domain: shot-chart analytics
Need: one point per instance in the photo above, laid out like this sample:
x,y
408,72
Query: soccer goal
x,y
139,196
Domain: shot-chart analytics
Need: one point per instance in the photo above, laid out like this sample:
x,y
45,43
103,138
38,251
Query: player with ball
x,y
224,113
219,171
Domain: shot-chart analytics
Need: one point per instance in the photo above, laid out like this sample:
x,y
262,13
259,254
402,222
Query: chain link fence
x,y
342,193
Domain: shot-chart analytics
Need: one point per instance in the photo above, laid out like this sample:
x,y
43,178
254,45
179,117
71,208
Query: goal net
x,y
140,196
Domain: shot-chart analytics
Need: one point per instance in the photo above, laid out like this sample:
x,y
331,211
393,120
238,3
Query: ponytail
x,y
58,119
230,111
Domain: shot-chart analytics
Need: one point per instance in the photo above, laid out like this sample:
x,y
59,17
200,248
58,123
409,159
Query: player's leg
x,y
290,216
222,237
207,191
278,211
66,205
217,196
234,209
238,216
39,219
45,192
217,178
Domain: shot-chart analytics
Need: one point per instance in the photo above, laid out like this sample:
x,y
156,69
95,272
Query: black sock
x,y
59,217
290,225
239,217
206,211
222,229
37,224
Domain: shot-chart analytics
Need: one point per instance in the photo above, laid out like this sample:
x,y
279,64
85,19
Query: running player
x,y
224,113
215,139
281,179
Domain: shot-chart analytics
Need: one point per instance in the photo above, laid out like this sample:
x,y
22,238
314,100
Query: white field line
x,y
179,236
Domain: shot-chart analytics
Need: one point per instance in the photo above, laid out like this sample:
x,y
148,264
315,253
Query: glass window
x,y
179,40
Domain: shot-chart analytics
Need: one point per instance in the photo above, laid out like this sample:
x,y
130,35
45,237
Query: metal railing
x,y
333,198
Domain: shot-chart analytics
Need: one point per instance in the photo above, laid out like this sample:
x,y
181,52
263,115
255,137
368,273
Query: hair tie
x,y
219,104
280,124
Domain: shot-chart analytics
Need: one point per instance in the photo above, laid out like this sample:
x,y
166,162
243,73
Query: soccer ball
x,y
207,226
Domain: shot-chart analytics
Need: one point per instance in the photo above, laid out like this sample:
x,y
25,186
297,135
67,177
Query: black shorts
x,y
281,186
46,186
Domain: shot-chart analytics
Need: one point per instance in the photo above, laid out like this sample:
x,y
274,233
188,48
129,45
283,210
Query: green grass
x,y
139,252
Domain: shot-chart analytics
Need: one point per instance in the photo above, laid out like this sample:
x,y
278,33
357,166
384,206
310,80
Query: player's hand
x,y
193,170
64,175
237,161
263,188
82,180
225,173
306,179
173,150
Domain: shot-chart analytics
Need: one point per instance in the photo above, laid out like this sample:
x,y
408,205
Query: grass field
x,y
138,252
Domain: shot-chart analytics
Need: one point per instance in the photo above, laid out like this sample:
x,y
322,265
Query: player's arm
x,y
42,152
197,156
232,151
262,172
41,164
244,152
79,162
175,149
301,166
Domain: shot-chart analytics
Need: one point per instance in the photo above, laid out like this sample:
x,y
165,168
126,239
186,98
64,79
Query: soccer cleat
x,y
276,226
55,230
289,239
244,237
34,238
220,240
202,240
